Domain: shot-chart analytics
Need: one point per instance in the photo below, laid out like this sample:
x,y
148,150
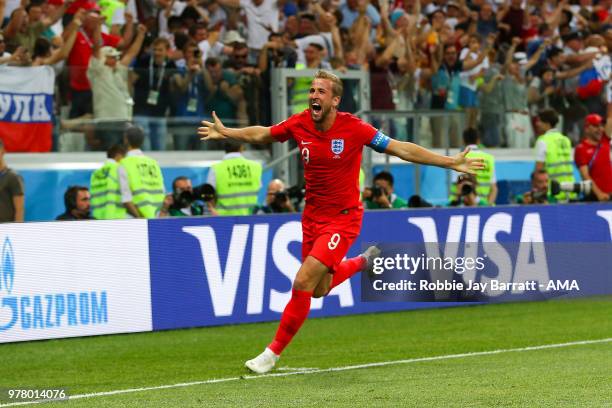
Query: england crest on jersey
x,y
337,146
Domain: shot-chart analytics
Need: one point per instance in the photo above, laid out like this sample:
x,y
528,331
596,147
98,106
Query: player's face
x,y
321,99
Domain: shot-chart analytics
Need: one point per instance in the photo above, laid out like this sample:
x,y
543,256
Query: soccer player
x,y
331,144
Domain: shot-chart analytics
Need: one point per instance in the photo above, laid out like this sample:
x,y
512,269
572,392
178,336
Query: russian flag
x,y
26,108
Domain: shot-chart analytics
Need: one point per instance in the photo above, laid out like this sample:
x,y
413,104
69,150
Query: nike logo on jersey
x,y
305,143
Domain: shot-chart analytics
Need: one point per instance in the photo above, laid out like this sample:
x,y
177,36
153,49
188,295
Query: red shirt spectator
x,y
592,157
79,57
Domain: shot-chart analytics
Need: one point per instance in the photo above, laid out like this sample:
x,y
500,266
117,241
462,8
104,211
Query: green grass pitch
x,y
573,376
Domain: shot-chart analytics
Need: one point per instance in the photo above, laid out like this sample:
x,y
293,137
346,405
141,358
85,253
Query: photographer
x,y
466,193
592,157
381,195
183,202
539,193
277,199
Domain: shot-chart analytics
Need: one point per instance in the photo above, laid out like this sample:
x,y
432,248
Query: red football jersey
x,y
331,159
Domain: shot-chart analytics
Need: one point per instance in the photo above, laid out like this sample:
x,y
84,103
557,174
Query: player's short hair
x,y
386,176
337,87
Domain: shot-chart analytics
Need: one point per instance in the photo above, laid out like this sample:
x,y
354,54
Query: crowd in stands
x,y
166,64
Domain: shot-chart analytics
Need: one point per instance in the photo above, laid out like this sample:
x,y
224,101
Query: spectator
x,y
592,157
466,195
42,53
78,60
11,192
143,176
112,102
514,88
184,203
262,16
554,151
227,98
540,191
4,55
247,76
492,106
472,79
381,195
277,199
191,87
486,178
237,181
152,76
77,203
106,188
28,23
301,86
352,9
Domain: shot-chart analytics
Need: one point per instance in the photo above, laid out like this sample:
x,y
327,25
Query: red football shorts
x,y
328,239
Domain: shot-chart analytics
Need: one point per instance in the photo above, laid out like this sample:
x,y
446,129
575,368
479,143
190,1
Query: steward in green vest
x,y
106,203
144,177
236,180
300,92
487,183
554,152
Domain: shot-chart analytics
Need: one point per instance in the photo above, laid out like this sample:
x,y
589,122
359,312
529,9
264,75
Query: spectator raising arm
x,y
58,13
128,32
134,49
70,37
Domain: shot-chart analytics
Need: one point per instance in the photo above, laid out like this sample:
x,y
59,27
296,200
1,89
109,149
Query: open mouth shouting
x,y
316,110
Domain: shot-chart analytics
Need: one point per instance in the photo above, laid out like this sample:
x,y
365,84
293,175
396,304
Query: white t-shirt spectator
x,y
261,21
465,76
208,50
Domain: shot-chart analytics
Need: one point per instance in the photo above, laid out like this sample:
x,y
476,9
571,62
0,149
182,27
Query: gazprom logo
x,y
35,311
8,266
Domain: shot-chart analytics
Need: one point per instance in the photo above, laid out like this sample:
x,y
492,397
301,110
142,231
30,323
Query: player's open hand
x,y
211,130
464,164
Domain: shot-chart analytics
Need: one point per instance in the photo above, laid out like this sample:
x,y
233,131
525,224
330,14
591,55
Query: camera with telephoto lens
x,y
378,191
584,187
467,189
203,192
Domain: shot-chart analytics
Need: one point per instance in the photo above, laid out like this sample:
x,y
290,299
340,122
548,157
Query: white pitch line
x,y
324,370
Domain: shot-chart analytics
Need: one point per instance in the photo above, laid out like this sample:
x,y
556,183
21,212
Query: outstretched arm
x,y
251,134
416,154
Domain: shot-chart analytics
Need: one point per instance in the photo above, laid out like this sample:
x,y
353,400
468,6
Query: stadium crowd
x,y
166,64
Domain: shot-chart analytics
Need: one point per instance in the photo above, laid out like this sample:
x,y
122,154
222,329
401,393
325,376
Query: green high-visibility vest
x,y
300,91
559,164
108,8
484,177
105,193
238,181
146,183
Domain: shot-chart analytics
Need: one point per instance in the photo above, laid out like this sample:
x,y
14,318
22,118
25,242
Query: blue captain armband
x,y
379,142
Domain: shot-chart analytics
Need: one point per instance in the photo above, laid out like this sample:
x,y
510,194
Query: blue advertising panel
x,y
224,270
